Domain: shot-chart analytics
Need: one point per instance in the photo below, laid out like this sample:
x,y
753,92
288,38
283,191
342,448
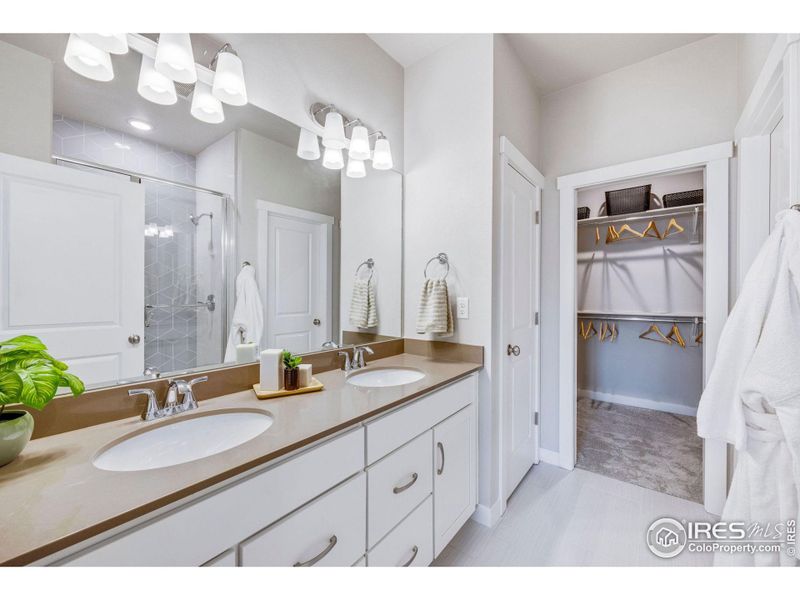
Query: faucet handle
x,y
202,379
347,363
151,411
189,401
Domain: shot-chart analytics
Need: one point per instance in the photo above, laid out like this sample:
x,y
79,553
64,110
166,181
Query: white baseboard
x,y
488,516
551,457
670,407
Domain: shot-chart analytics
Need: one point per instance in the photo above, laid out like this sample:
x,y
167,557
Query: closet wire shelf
x,y
695,209
641,317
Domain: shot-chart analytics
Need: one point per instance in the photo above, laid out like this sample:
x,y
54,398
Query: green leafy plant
x,y
291,361
29,375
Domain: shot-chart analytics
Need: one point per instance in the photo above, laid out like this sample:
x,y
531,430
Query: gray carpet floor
x,y
652,449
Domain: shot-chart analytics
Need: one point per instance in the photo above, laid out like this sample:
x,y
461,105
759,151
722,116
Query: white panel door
x,y
72,265
295,296
520,335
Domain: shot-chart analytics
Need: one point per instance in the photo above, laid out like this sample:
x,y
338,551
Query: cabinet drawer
x,y
328,532
392,431
398,483
195,533
410,544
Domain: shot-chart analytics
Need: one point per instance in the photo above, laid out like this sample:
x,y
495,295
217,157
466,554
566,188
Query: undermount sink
x,y
178,442
385,377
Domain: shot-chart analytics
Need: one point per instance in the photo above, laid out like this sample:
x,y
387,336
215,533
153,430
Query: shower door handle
x,y
134,338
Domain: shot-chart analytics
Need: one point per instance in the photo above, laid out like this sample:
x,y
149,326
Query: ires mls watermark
x,y
668,537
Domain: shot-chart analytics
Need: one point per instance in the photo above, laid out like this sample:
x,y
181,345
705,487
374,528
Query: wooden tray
x,y
316,385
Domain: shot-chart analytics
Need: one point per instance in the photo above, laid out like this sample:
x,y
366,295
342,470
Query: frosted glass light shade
x,y
308,145
359,143
332,159
355,168
174,57
205,107
113,43
154,86
382,157
88,60
229,80
333,135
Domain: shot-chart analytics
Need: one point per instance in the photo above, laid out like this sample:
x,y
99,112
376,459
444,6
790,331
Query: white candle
x,y
246,353
271,370
304,376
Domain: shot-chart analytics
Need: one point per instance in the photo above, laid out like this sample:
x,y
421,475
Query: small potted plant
x,y
31,377
290,370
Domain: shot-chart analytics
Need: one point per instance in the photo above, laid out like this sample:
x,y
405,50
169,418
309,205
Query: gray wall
x,y
26,97
674,101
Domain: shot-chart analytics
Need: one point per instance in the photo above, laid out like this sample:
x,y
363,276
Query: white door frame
x,y
775,96
714,160
325,222
511,157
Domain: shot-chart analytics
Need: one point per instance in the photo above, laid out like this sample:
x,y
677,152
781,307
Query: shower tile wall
x,y
170,340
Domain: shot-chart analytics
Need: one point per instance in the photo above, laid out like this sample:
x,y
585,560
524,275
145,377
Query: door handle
x,y
134,338
317,322
512,350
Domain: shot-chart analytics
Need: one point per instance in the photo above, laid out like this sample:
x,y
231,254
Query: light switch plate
x,y
462,307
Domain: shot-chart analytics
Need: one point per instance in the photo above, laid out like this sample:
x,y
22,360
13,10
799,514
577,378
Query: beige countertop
x,y
53,497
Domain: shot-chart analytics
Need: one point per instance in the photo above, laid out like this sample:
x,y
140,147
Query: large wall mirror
x,y
156,218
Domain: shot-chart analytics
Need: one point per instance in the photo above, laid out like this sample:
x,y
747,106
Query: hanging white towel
x,y
363,306
247,324
752,399
435,314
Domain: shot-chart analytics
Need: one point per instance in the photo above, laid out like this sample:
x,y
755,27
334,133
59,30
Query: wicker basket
x,y
628,200
683,198
583,212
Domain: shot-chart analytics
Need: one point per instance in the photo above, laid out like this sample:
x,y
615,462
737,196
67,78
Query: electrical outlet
x,y
462,307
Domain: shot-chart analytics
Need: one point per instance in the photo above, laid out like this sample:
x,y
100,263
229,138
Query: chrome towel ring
x,y
443,260
369,263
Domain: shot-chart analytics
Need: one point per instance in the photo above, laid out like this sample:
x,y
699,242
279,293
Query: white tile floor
x,y
559,517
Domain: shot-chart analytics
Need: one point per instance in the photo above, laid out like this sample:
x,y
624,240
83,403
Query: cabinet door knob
x,y
134,338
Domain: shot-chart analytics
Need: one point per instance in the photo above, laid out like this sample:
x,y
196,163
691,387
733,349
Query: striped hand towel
x,y
435,314
363,307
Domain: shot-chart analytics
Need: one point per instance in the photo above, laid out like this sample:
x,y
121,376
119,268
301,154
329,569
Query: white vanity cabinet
x,y
390,492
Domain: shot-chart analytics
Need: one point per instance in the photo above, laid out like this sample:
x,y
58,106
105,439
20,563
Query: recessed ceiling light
x,y
139,124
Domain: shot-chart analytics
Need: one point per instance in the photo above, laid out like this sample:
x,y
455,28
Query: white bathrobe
x,y
752,399
247,323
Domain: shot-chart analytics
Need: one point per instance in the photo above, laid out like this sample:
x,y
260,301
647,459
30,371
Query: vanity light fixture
x,y
140,125
332,159
154,86
382,157
113,43
229,86
88,60
308,145
333,135
205,106
151,230
359,143
355,168
175,58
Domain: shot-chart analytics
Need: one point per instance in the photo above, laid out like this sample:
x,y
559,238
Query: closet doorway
x,y
644,297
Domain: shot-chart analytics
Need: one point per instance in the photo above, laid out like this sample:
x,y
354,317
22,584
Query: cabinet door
x,y
454,484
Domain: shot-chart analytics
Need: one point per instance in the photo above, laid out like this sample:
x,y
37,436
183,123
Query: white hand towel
x,y
363,307
435,314
247,324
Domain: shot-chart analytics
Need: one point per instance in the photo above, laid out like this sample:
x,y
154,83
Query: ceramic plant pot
x,y
290,377
16,427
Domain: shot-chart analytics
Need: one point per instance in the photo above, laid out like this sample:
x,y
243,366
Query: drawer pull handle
x,y
414,552
440,470
312,561
403,488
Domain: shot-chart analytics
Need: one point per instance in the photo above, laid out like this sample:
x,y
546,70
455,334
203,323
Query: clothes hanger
x,y
605,331
587,332
596,235
654,329
675,334
613,331
612,235
634,235
672,229
651,231
699,339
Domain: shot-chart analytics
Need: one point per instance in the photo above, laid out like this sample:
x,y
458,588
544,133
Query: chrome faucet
x,y
171,405
359,362
347,366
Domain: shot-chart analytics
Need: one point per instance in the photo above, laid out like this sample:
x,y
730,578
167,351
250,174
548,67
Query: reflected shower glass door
x,y
185,306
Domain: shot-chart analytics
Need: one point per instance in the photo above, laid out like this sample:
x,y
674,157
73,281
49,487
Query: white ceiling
x,y
559,60
554,60
408,48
